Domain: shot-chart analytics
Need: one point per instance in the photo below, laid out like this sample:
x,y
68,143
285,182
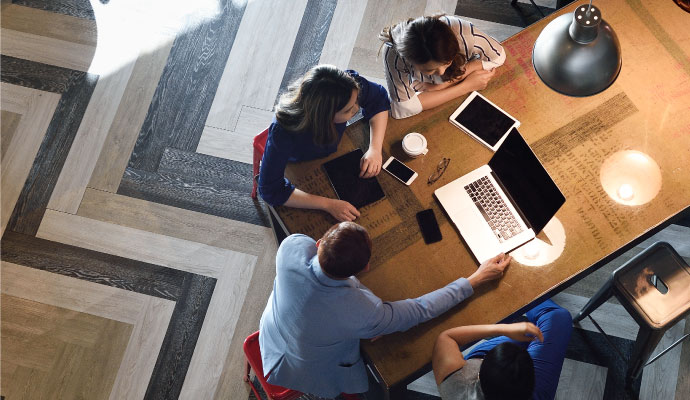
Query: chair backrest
x,y
260,140
252,351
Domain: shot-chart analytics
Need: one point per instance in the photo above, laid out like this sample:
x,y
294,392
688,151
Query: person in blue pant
x,y
309,122
521,361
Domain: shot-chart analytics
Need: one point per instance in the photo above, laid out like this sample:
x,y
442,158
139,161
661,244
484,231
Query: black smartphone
x,y
429,226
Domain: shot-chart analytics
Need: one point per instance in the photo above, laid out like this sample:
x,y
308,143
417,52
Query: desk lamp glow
x,y
578,54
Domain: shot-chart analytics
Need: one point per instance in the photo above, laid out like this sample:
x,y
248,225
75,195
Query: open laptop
x,y
502,205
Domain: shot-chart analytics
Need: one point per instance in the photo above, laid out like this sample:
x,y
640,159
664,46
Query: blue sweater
x,y
285,146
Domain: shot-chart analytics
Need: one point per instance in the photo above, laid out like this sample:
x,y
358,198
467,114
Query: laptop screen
x,y
525,179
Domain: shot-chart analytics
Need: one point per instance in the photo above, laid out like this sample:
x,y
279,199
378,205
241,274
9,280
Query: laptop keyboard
x,y
494,210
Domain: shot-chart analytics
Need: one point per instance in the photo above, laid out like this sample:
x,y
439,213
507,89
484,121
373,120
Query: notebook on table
x,y
502,205
343,173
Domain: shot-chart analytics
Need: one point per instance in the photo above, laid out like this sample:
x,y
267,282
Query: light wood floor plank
x,y
47,50
174,222
226,144
149,315
140,357
8,126
222,317
232,269
130,116
659,378
39,336
255,80
16,99
440,6
131,243
618,322
581,381
337,49
261,285
49,24
365,57
91,136
38,109
73,294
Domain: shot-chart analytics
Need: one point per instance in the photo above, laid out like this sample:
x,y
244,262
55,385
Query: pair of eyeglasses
x,y
440,169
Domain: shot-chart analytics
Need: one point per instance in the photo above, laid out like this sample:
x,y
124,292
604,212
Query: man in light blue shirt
x,y
318,311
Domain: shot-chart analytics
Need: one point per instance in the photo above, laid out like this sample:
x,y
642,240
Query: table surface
x,y
647,109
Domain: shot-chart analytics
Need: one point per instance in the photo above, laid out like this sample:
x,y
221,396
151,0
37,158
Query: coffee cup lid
x,y
414,143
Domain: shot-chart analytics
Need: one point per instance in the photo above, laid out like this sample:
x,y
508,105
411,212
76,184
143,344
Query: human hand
x,y
490,269
370,164
342,210
478,80
522,331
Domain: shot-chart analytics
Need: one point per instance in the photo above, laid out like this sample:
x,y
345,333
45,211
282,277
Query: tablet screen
x,y
343,172
484,120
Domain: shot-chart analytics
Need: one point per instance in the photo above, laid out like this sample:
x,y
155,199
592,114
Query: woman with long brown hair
x,y
309,123
431,60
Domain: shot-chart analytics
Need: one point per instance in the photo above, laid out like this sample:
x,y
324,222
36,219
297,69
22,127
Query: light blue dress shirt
x,y
312,324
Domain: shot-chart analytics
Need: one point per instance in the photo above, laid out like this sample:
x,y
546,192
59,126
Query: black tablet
x,y
343,172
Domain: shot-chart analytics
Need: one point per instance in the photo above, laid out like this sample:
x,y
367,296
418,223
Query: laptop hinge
x,y
512,201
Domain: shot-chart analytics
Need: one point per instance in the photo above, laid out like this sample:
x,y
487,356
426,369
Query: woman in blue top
x,y
309,123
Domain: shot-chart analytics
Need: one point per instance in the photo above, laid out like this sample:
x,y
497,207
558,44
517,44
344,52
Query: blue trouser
x,y
556,325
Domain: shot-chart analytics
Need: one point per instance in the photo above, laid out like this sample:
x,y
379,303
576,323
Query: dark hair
x,y
427,39
312,101
345,250
507,372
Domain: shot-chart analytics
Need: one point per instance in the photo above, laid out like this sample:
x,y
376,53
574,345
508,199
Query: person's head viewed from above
x,y
429,44
344,250
321,98
507,372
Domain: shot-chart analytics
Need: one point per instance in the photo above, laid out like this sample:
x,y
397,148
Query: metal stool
x,y
654,287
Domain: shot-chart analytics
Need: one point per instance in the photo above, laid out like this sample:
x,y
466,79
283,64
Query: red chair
x,y
253,354
259,147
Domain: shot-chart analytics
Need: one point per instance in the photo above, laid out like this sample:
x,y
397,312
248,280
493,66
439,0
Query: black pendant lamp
x,y
578,54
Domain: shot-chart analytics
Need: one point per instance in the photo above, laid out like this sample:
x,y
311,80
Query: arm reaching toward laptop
x,y
490,269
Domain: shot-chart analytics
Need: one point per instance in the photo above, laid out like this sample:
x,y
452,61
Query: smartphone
x,y
429,226
399,170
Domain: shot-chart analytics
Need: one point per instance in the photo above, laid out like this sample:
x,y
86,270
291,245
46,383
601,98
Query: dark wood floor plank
x,y
187,87
208,168
52,154
190,193
47,78
92,266
501,11
180,339
75,8
310,39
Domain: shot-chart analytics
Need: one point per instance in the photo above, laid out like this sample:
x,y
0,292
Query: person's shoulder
x,y
298,240
295,249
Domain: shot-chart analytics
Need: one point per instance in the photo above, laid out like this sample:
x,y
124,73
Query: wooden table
x,y
647,109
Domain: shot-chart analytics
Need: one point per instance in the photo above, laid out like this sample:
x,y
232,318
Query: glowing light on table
x,y
630,177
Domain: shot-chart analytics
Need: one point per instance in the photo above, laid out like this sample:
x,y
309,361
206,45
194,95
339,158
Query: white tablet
x,y
483,120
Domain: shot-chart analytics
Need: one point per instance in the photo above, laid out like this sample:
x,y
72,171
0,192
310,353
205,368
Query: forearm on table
x,y
301,199
377,130
435,98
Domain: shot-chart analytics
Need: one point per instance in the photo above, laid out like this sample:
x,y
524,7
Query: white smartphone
x,y
399,170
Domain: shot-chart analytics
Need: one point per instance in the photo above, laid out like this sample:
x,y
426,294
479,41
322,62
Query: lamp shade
x,y
578,53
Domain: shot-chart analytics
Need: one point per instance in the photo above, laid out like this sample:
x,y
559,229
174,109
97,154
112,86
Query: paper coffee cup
x,y
414,144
